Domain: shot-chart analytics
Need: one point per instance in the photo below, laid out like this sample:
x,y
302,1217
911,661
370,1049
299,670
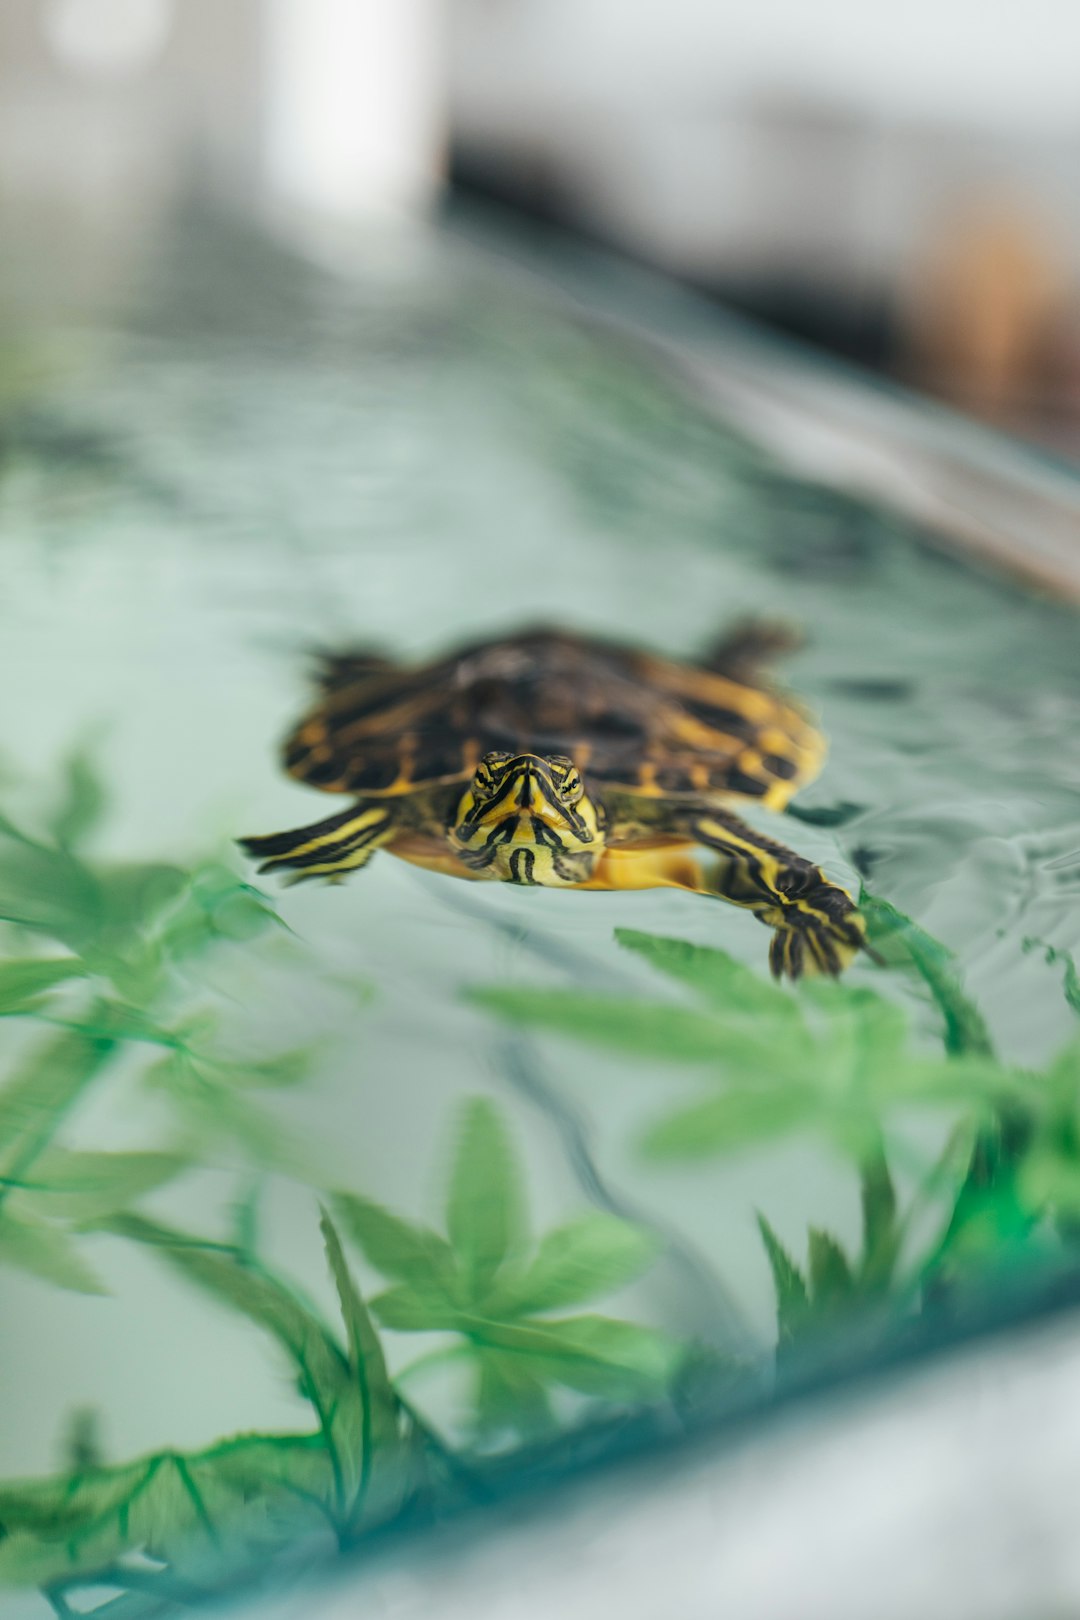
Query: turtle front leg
x,y
328,849
817,926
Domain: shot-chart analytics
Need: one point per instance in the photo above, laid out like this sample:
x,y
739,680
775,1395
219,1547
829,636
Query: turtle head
x,y
526,818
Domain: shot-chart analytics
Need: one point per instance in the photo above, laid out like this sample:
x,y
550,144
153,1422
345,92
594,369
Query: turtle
x,y
559,760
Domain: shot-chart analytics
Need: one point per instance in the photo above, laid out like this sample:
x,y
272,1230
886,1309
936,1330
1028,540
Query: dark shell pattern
x,y
631,721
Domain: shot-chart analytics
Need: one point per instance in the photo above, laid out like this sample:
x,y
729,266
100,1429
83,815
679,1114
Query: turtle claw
x,y
821,936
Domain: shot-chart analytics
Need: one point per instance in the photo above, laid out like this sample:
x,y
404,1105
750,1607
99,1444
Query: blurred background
x,y
894,184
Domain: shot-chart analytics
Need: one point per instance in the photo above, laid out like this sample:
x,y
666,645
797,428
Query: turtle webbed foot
x,y
819,930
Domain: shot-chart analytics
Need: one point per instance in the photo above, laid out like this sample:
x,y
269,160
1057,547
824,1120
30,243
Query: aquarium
x,y
330,1213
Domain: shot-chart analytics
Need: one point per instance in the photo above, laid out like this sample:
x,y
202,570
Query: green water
x,y
248,459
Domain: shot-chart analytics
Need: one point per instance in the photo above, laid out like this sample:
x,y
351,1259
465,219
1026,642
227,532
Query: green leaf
x,y
792,1298
485,1214
101,914
116,1021
397,1248
83,1186
595,1355
193,1031
892,931
379,1411
286,1069
34,1103
351,1395
863,1027
592,1255
365,1352
1049,1179
830,1273
864,1042
1071,983
81,1444
46,1253
1071,980
218,906
8,829
965,1029
486,1306
973,1081
244,914
1061,1081
324,1371
23,984
132,897
49,891
211,1514
881,1240
643,1029
726,984
510,1398
213,1110
202,1516
82,805
734,1119
415,1308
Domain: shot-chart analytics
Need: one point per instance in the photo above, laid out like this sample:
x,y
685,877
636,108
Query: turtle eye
x,y
567,779
486,778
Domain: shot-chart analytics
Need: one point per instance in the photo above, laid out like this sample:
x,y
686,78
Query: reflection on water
x,y
329,1208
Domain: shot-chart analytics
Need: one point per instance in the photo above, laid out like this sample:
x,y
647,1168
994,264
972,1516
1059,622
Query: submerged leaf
x,y
1072,983
592,1255
1061,1081
643,1029
1053,954
219,905
596,1355
726,984
198,1517
83,1186
510,1397
83,802
396,1247
23,984
792,1298
965,1029
49,891
732,1119
220,1271
830,1272
485,1214
979,1083
212,1109
1049,1181
285,1069
45,1252
350,1393
81,1444
134,896
481,1289
34,1103
881,1240
379,1431
416,1308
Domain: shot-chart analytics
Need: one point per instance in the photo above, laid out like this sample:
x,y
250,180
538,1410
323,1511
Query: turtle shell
x,y
631,721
